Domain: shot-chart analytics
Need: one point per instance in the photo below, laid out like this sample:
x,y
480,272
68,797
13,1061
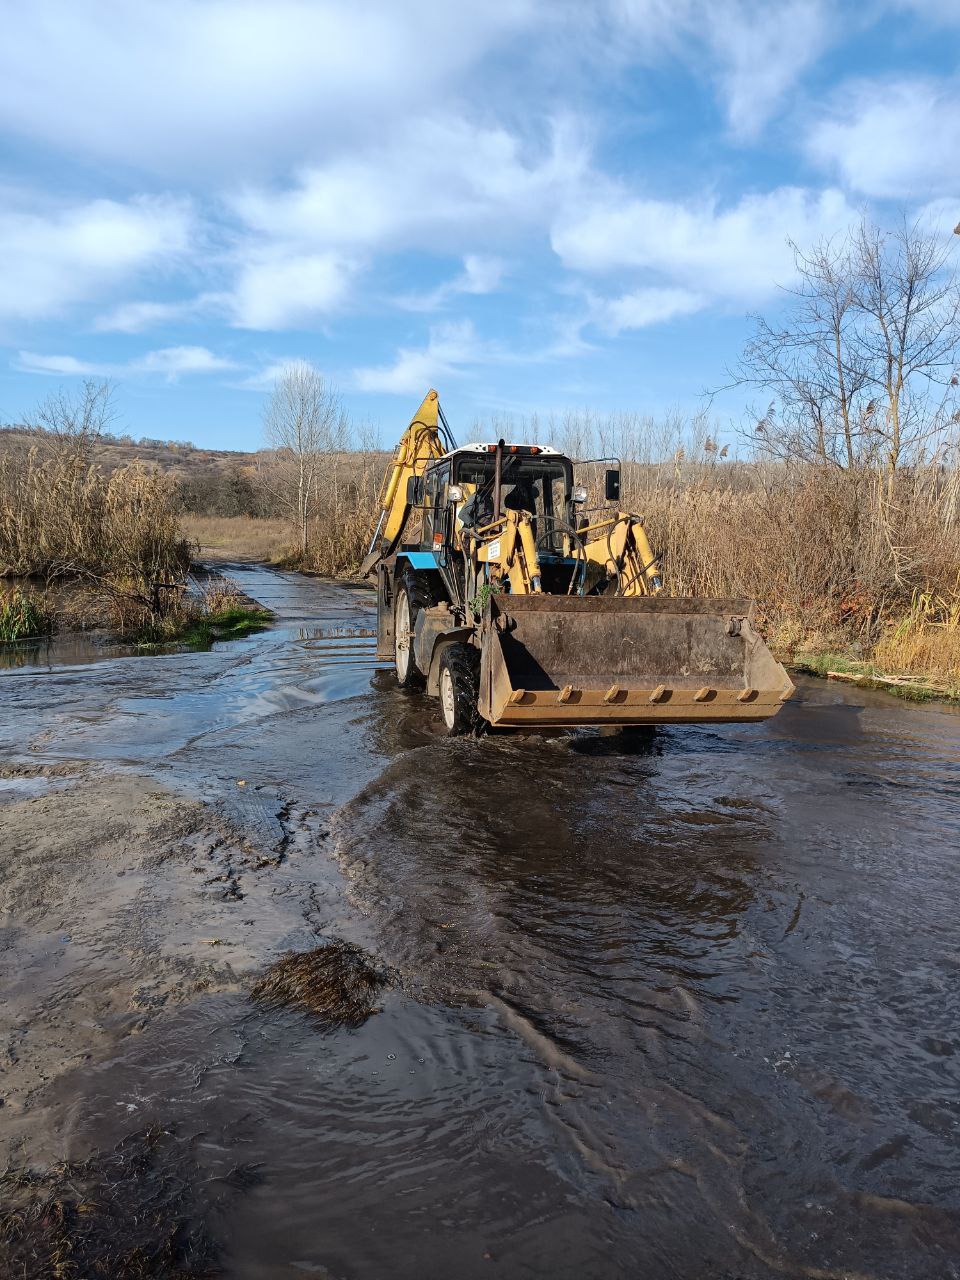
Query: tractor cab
x,y
459,492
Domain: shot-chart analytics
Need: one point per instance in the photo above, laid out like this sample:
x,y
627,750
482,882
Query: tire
x,y
459,689
413,594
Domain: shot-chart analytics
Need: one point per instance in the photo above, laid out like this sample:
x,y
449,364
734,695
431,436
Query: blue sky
x,y
533,205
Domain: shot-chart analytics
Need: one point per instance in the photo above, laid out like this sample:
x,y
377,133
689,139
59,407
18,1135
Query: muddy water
x,y
685,1006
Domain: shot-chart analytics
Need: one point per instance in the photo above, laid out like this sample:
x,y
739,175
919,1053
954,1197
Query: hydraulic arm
x,y
419,445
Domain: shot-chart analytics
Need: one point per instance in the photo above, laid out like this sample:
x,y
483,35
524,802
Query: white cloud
x,y
738,253
645,307
450,348
33,362
432,185
941,217
481,274
754,51
218,88
173,361
135,317
169,362
54,258
279,288
897,140
762,50
265,377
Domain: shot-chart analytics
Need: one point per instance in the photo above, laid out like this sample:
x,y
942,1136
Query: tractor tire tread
x,y
463,663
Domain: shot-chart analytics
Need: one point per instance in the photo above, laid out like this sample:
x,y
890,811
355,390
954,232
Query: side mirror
x,y
415,491
611,487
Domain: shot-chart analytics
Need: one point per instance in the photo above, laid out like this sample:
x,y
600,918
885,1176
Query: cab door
x,y
435,514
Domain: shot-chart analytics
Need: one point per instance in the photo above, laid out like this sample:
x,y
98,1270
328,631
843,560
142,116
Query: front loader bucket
x,y
593,660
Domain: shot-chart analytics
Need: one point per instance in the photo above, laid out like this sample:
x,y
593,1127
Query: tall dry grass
x,y
63,520
252,538
817,546
926,639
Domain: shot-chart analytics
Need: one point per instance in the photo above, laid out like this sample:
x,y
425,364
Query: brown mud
x,y
672,1005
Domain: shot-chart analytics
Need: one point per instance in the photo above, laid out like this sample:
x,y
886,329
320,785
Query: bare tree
x,y
863,366
911,307
305,427
74,423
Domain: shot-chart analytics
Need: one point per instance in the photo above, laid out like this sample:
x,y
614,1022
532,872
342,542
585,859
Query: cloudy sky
x,y
530,204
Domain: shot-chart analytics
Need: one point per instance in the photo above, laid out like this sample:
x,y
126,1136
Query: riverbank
x,y
909,686
207,607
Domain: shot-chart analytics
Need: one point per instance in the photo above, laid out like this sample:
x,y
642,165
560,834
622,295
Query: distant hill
x,y
219,482
176,456
209,482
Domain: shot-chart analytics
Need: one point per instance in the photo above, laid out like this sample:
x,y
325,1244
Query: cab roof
x,y
490,447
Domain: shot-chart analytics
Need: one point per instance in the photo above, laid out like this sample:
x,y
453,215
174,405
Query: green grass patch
x,y
200,631
22,617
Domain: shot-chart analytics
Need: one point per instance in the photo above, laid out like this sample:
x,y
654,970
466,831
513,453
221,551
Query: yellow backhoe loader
x,y
501,594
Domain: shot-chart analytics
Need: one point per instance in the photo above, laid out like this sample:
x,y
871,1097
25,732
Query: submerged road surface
x,y
686,1007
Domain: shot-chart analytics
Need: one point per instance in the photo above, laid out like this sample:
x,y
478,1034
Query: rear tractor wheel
x,y
459,689
413,594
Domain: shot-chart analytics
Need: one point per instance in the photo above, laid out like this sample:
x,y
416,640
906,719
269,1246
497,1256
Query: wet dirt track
x,y
680,1007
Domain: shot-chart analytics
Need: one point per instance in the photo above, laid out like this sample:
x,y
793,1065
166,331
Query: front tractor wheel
x,y
459,689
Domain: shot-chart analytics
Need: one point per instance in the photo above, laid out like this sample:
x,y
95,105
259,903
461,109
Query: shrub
x,y
22,616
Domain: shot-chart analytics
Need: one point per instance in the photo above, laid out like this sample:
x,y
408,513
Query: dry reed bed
x,y
835,559
60,516
114,536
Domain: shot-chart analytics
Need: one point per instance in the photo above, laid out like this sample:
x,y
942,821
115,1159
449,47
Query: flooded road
x,y
684,1006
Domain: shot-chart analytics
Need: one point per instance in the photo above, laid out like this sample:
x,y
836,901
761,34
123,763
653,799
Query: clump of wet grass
x,y
199,631
221,613
131,1213
338,984
22,617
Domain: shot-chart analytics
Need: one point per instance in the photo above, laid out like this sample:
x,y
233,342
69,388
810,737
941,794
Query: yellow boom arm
x,y
419,445
507,546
